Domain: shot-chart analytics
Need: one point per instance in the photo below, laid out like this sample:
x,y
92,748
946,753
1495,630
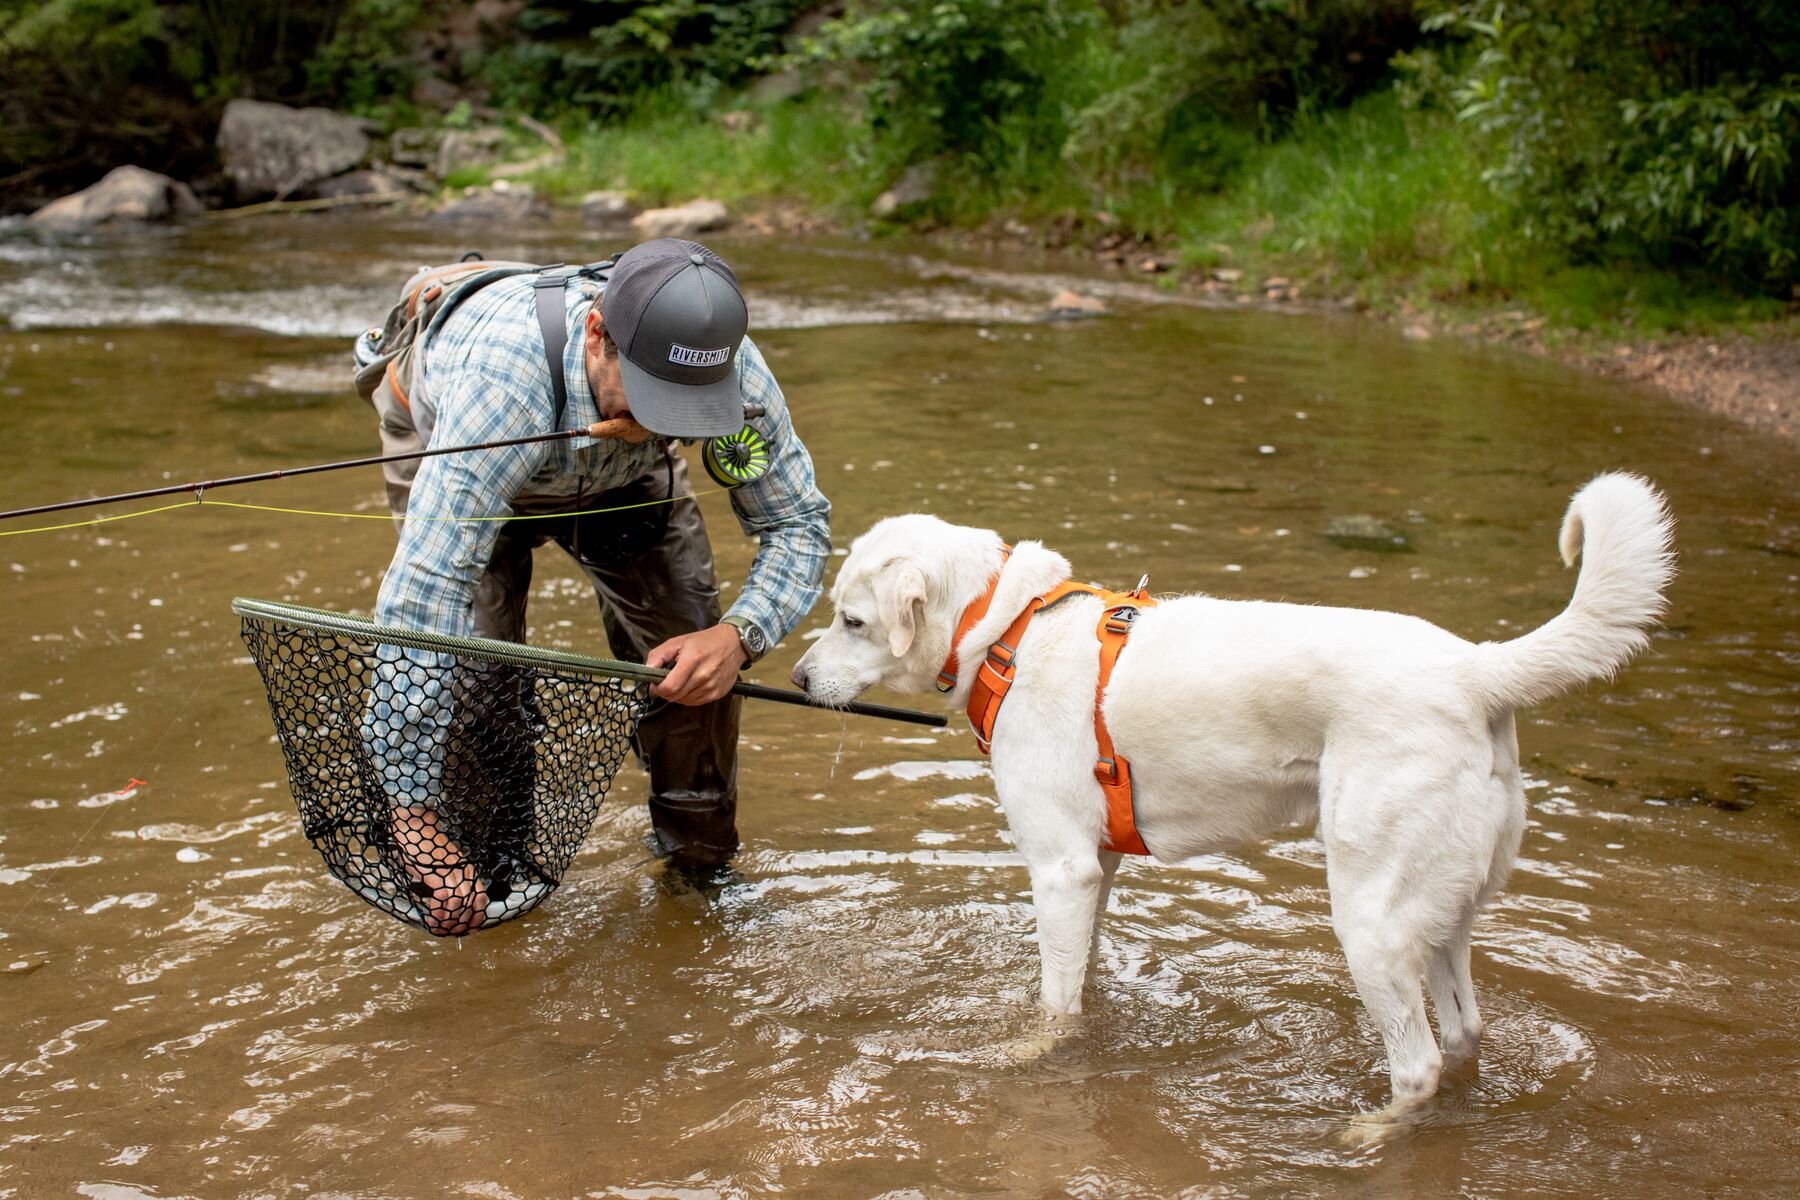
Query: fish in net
x,y
446,781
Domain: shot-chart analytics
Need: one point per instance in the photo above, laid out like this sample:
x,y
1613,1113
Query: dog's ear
x,y
900,593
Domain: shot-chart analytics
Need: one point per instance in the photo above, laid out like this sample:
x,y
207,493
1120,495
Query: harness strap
x,y
1111,768
994,678
946,680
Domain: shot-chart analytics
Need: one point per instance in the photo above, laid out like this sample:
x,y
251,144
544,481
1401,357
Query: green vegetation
x,y
1619,165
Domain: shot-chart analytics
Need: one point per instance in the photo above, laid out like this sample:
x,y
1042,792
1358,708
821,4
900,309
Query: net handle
x,y
517,654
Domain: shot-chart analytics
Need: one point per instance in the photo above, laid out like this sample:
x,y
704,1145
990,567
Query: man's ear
x,y
900,594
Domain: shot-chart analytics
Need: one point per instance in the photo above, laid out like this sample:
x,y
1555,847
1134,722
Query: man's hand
x,y
702,666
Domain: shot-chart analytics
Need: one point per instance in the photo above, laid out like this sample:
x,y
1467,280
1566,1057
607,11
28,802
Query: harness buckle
x,y
1106,770
1119,620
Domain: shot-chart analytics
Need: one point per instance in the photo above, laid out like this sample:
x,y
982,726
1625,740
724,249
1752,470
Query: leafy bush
x,y
367,63
55,58
164,68
1664,129
604,56
976,80
1120,95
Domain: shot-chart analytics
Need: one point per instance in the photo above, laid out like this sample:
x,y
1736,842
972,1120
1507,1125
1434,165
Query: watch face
x,y
754,640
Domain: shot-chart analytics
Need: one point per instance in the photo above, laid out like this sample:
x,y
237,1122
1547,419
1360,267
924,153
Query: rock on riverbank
x,y
126,195
271,149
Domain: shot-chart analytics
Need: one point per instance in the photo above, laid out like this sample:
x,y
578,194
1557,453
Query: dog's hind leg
x,y
1453,994
1386,960
1067,892
1387,979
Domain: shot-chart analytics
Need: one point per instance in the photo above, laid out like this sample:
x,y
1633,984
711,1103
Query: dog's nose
x,y
798,676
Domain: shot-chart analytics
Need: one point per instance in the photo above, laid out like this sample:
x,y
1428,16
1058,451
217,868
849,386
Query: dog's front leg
x,y
1066,891
1109,868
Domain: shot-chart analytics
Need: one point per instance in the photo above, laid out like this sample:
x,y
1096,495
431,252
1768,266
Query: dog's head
x,y
897,598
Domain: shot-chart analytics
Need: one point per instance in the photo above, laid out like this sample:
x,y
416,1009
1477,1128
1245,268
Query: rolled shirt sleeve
x,y
784,510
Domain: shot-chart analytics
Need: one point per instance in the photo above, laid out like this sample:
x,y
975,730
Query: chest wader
x,y
652,572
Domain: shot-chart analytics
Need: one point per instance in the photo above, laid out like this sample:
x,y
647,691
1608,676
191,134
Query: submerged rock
x,y
684,220
1069,305
1360,531
127,195
271,149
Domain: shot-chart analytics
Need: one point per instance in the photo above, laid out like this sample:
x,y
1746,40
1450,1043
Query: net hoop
x,y
447,781
514,654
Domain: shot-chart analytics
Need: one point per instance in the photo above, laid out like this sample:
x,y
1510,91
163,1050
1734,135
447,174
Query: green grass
x,y
666,155
1388,206
1374,202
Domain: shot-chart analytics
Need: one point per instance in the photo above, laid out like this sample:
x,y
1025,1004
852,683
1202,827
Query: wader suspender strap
x,y
552,321
995,677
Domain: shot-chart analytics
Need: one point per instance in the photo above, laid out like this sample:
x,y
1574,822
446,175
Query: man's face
x,y
602,359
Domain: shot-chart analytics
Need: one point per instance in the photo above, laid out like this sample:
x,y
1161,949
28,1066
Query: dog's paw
x,y
1374,1128
1050,1033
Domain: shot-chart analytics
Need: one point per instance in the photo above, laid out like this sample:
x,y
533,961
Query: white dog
x,y
1243,717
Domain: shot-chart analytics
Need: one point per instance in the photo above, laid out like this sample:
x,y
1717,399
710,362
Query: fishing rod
x,y
623,428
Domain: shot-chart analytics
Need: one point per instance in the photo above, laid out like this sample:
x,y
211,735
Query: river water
x,y
195,1008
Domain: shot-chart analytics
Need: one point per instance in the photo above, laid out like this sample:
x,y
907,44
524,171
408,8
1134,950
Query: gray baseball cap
x,y
674,309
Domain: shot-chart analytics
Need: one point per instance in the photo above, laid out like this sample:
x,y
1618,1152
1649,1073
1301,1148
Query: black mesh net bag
x,y
447,781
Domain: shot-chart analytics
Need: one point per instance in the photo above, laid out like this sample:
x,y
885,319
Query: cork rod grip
x,y
623,428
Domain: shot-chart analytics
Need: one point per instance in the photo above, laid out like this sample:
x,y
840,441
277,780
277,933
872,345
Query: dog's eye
x,y
852,623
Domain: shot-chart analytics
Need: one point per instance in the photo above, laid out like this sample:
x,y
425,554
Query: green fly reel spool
x,y
738,458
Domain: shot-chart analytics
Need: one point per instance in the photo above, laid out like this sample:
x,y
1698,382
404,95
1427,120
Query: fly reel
x,y
737,458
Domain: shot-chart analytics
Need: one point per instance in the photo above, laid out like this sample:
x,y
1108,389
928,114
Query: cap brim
x,y
682,410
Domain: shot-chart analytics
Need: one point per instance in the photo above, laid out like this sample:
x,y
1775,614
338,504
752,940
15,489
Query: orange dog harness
x,y
995,677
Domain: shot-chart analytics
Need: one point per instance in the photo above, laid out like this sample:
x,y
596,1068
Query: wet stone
x,y
1067,306
1733,793
1360,531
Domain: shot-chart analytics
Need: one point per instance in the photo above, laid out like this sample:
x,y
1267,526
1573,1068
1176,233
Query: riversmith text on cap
x,y
675,311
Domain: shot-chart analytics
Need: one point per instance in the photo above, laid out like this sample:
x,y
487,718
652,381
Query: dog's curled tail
x,y
1620,527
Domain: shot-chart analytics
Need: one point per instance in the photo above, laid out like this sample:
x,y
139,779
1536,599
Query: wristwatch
x,y
754,641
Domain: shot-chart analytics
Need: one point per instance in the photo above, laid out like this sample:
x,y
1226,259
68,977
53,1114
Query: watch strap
x,y
749,633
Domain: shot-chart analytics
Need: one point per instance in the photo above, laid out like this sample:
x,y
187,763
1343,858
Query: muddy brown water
x,y
193,1008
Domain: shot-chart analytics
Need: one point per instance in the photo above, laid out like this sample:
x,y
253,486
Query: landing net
x,y
446,781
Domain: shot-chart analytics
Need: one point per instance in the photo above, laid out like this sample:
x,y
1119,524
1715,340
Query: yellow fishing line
x,y
200,501
145,512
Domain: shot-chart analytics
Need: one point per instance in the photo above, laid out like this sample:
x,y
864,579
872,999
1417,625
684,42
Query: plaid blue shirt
x,y
482,377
